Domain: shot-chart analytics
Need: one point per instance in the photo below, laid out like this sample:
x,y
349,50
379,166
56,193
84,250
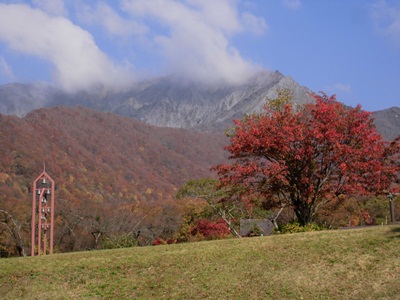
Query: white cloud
x,y
103,15
387,19
5,69
220,14
254,24
78,62
196,42
292,4
339,88
191,37
342,87
52,7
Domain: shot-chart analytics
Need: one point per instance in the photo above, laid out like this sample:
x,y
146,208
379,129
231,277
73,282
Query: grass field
x,y
342,264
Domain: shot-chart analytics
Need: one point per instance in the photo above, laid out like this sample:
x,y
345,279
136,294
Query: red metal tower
x,y
42,214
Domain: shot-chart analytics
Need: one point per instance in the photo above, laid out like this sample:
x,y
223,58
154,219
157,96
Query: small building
x,y
256,227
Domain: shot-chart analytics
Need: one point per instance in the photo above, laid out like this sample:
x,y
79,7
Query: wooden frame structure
x,y
42,214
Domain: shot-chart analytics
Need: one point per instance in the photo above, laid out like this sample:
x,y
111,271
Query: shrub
x,y
120,241
159,241
211,230
256,231
295,227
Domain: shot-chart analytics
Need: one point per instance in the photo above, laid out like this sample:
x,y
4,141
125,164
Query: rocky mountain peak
x,y
175,102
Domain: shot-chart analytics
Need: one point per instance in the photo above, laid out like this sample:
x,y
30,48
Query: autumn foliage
x,y
115,177
303,158
210,229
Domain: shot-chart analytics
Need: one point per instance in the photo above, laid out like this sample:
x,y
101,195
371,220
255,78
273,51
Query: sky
x,y
350,48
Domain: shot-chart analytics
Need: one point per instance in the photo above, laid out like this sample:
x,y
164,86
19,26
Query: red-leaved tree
x,y
302,158
211,230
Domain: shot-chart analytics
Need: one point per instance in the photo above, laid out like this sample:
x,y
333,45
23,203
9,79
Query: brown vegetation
x,y
114,175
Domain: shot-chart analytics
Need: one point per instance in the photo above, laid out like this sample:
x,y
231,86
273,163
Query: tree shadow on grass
x,y
396,231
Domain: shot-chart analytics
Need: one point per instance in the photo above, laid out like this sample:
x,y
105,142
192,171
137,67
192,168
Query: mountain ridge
x,y
174,102
387,122
165,102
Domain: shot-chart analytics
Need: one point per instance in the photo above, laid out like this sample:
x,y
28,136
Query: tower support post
x,y
42,225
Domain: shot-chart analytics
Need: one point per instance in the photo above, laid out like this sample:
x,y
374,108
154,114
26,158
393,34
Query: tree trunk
x,y
222,215
303,212
276,217
96,236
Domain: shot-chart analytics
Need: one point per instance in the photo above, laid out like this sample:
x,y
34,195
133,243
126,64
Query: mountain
x,y
387,122
166,102
114,175
19,99
110,154
174,102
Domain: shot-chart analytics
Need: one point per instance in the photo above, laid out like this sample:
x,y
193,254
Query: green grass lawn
x,y
342,264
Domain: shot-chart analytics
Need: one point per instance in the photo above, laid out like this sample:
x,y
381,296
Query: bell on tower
x,y
42,214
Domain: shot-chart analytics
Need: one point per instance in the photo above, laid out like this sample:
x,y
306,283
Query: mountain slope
x,y
166,101
174,102
117,152
387,122
114,175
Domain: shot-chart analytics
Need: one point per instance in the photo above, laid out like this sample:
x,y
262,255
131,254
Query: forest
x,y
122,183
113,175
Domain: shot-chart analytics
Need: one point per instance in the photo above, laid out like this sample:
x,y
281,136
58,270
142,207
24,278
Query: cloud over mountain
x,y
190,38
77,60
196,41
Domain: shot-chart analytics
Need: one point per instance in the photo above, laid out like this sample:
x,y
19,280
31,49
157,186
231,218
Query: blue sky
x,y
350,48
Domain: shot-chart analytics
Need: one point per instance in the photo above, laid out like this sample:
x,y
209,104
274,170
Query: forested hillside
x,y
110,171
116,178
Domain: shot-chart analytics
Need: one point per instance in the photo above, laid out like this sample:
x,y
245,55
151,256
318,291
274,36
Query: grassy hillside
x,y
344,264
